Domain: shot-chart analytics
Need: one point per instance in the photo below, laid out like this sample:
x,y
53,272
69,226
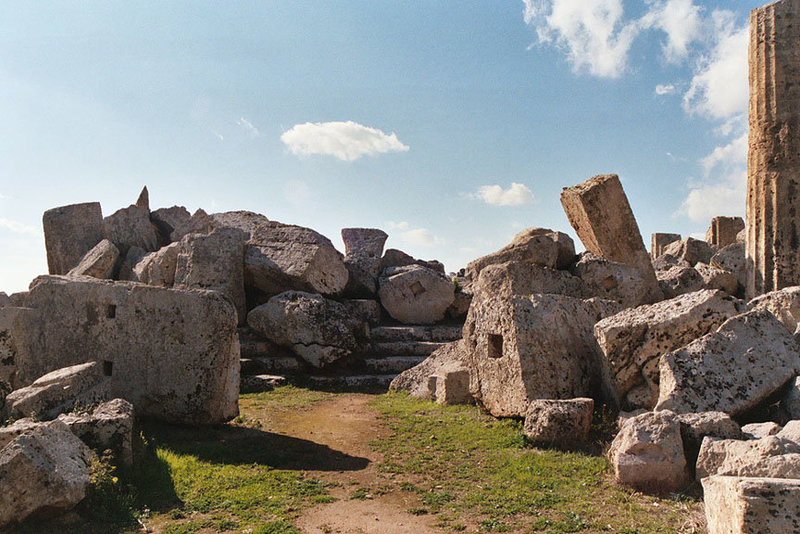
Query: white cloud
x,y
591,32
19,228
727,157
662,90
421,237
709,200
681,21
248,127
402,225
719,88
517,194
346,141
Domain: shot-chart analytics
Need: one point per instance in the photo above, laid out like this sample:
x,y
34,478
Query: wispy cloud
x,y
19,228
682,23
421,237
346,141
248,127
662,90
516,195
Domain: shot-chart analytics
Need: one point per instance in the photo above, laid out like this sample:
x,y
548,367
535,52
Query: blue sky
x,y
450,125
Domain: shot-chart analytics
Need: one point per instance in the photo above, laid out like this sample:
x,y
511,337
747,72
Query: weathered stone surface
x,y
18,299
696,426
783,304
166,220
365,310
69,233
715,278
732,259
731,370
791,402
17,428
790,431
199,223
415,294
659,241
599,212
363,252
5,300
647,454
158,268
723,231
760,430
665,262
773,162
540,246
174,354
397,258
44,470
20,332
519,278
261,383
129,262
317,329
143,201
633,340
751,505
532,347
214,261
131,227
108,427
770,456
98,262
460,306
690,250
364,242
59,391
611,280
449,357
679,280
450,386
563,423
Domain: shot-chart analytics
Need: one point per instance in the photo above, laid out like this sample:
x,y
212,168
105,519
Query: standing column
x,y
773,162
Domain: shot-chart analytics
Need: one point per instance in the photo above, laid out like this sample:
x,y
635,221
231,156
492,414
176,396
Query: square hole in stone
x,y
108,368
494,347
417,289
111,311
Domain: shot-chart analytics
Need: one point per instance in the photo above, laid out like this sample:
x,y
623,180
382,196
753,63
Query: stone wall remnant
x,y
723,231
659,241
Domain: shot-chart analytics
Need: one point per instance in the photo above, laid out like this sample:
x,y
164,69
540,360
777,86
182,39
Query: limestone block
x,y
107,427
771,456
633,340
696,426
364,310
647,454
166,220
460,307
129,262
679,280
599,212
174,354
45,469
364,242
790,431
98,262
317,329
731,370
783,304
659,241
690,250
611,280
214,261
533,347
790,402
131,227
20,336
760,430
751,505
715,278
5,300
199,223
415,294
562,423
450,386
449,357
69,233
520,278
158,268
731,259
397,258
363,252
539,246
723,231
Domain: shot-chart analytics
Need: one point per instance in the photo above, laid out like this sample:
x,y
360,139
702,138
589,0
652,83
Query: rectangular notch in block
x,y
111,311
494,346
108,367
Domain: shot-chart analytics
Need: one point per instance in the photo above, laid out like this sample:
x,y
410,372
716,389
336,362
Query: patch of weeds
x,y
110,497
418,511
276,527
360,494
493,525
409,487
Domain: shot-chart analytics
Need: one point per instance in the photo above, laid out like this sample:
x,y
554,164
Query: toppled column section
x,y
773,161
723,231
599,212
659,241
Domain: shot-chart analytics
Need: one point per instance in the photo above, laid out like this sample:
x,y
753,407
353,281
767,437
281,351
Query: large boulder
x,y
560,423
317,329
199,223
98,262
166,220
771,456
451,357
540,246
647,454
783,304
633,340
611,280
214,261
174,354
731,259
533,347
415,294
363,251
522,278
716,278
107,427
158,268
679,279
397,258
42,471
131,227
723,230
731,370
751,504
69,233
691,250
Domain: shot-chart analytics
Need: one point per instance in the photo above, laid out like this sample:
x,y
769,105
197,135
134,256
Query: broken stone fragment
x,y
158,268
415,294
45,469
69,233
611,280
731,259
397,258
599,212
760,430
449,357
363,252
751,504
107,427
166,220
561,423
659,241
521,278
131,227
129,262
679,280
690,250
750,357
783,304
198,223
633,340
724,230
716,278
647,454
98,262
771,456
450,386
4,300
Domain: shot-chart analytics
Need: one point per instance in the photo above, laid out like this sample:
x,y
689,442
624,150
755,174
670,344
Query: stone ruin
x,y
168,314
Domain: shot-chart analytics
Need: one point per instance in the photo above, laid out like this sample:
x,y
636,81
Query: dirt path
x,y
346,424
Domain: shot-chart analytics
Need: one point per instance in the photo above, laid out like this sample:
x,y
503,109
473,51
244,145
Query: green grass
x,y
467,465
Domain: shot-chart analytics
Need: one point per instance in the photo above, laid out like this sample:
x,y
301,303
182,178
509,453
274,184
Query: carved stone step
x,y
392,364
439,334
405,348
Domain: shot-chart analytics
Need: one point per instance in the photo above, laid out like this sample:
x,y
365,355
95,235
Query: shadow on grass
x,y
227,444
